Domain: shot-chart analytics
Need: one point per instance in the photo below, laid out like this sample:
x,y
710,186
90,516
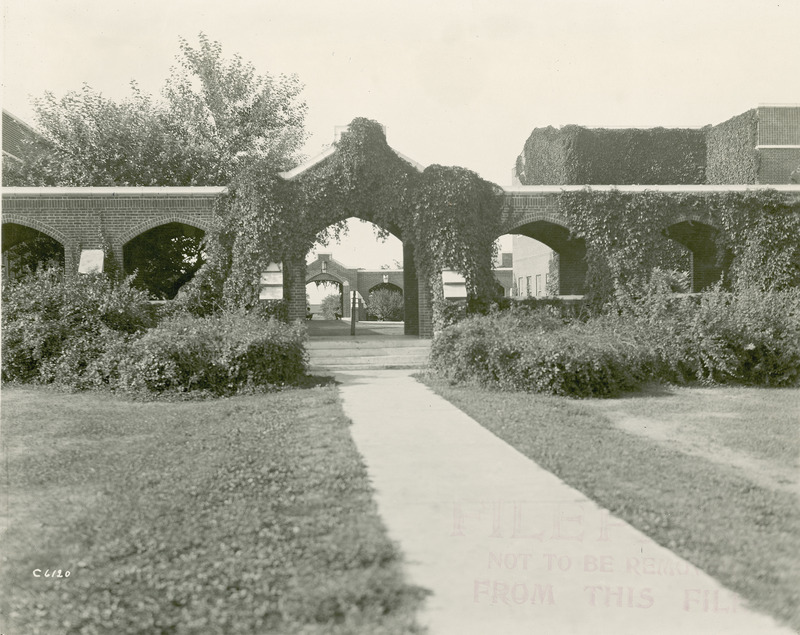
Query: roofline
x,y
23,123
292,174
332,259
200,190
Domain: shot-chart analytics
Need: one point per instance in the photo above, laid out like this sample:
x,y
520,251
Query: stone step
x,y
365,353
350,352
379,359
418,359
317,368
366,343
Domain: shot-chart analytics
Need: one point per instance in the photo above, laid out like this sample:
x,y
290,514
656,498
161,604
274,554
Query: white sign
x,y
91,261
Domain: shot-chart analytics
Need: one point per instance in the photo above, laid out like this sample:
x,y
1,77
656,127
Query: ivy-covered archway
x,y
446,217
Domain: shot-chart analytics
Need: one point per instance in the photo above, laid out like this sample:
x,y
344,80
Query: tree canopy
x,y
214,114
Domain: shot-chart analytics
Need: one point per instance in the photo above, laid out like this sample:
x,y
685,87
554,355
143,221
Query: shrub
x,y
331,306
55,330
220,355
385,304
751,337
532,350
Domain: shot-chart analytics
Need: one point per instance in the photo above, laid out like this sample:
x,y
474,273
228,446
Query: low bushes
x,y
535,351
221,355
90,332
56,330
750,337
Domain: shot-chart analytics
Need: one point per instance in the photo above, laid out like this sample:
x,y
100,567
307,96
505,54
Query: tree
x,y
331,306
216,116
386,304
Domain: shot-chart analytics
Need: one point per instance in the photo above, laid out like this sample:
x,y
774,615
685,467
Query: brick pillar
x,y
72,255
572,268
410,291
294,287
425,309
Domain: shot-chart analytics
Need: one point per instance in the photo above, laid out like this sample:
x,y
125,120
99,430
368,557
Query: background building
x,y
760,146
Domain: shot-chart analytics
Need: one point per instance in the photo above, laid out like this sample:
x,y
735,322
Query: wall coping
x,y
114,192
699,189
206,191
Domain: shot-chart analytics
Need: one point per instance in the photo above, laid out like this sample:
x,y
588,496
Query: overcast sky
x,y
454,82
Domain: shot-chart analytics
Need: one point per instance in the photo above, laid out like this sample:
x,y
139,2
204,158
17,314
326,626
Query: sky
x,y
454,82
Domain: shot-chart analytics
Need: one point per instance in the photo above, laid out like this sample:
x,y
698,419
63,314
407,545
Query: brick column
x,y
425,309
410,291
572,268
294,287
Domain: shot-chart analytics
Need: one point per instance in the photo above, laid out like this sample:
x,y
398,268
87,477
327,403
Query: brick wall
x,y
94,218
778,164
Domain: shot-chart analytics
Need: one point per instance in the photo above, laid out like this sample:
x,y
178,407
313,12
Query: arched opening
x,y
356,257
503,266
707,264
324,297
25,250
164,258
548,261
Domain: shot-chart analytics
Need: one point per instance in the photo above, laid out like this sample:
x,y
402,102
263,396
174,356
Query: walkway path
x,y
505,546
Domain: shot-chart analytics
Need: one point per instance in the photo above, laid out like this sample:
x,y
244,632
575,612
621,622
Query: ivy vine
x,y
449,214
757,235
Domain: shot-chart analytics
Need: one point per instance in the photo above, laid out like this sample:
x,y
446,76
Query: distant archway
x,y
351,274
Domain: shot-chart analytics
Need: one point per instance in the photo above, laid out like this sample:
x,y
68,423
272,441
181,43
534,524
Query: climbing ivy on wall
x,y
578,155
623,234
731,150
449,214
625,241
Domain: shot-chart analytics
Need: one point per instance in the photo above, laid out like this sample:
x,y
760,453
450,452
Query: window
x,y
519,286
538,285
528,285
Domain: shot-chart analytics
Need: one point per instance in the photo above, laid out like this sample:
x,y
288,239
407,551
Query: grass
x,y
725,518
244,515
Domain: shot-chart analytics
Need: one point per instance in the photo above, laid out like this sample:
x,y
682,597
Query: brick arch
x,y
38,226
694,218
129,235
325,277
514,220
393,231
385,285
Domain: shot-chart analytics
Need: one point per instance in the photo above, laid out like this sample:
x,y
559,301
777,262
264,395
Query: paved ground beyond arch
x,y
505,546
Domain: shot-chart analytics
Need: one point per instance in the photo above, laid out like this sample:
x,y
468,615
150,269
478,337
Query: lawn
x,y
710,473
244,515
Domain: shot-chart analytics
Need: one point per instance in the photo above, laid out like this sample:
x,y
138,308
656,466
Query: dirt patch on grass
x,y
759,471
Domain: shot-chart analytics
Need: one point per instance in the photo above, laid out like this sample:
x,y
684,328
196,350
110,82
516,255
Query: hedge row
x,y
751,338
90,332
533,351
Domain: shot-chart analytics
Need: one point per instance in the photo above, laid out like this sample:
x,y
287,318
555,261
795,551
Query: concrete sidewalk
x,y
505,546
